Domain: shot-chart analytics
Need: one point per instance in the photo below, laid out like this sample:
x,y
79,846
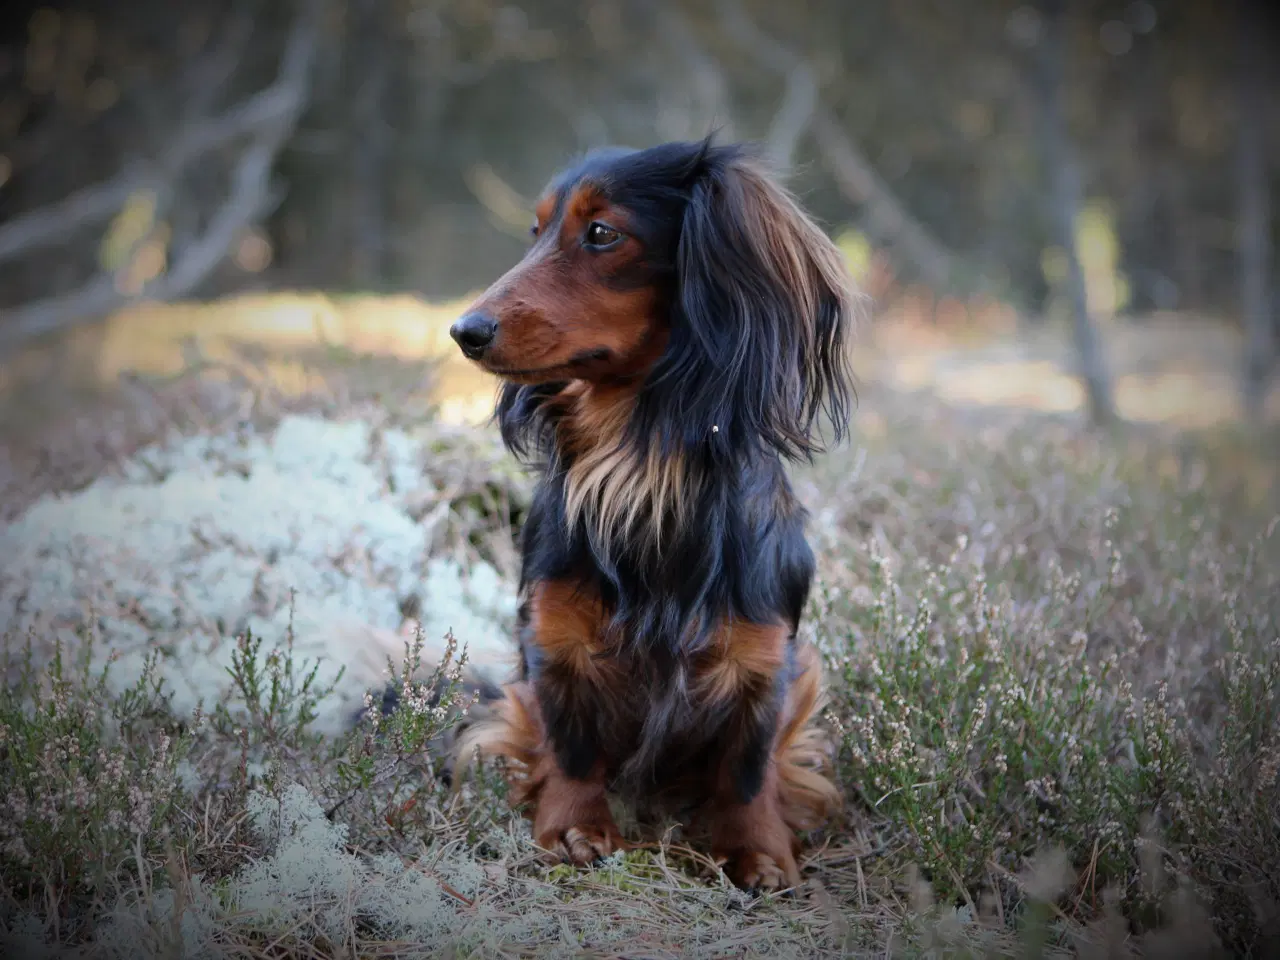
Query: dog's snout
x,y
473,333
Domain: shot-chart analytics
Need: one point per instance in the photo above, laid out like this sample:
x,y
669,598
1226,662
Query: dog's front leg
x,y
748,831
574,682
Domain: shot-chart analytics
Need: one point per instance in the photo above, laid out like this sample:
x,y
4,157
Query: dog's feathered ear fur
x,y
758,351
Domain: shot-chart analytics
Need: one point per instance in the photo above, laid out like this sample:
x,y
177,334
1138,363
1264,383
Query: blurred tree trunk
x,y
1187,249
1253,240
1064,201
371,58
1143,244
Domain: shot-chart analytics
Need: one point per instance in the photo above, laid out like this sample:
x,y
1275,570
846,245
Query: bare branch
x,y
859,182
705,74
588,126
799,99
799,103
39,228
251,198
210,76
853,172
507,209
272,115
96,297
45,226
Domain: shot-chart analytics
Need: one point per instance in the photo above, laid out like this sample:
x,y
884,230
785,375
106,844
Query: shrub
x,y
90,781
992,706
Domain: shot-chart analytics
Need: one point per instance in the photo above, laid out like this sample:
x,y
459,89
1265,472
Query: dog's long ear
x,y
758,351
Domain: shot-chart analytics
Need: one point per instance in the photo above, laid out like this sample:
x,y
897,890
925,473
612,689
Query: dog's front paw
x,y
581,844
756,871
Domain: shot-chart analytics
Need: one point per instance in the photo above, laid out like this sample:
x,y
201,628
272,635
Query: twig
x,y
706,78
852,171
271,115
509,211
794,115
45,226
207,81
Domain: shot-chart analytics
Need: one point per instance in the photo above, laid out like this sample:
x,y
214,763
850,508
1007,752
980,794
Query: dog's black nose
x,y
474,332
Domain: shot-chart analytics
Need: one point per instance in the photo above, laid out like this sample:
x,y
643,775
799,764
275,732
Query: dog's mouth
x,y
580,365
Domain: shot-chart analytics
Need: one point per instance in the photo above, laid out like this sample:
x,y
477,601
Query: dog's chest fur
x,y
660,598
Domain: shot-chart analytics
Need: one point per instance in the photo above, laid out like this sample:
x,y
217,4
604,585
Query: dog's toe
x,y
587,844
583,844
755,871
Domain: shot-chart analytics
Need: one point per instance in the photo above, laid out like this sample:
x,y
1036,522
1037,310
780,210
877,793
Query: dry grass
x,y
1054,670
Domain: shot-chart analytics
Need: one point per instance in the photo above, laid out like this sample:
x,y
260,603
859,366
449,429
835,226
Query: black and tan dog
x,y
674,335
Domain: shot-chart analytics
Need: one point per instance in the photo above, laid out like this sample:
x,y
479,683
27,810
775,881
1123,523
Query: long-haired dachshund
x,y
674,334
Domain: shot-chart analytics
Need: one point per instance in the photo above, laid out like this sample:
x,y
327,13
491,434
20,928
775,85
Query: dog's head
x,y
688,271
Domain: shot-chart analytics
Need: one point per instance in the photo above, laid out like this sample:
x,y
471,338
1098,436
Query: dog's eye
x,y
602,235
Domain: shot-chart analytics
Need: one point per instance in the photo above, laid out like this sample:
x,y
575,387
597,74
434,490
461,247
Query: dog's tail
x,y
509,726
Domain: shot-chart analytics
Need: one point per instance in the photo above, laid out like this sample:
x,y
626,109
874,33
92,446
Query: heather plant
x,y
1226,820
1053,672
276,696
89,778
269,716
1109,693
391,770
981,733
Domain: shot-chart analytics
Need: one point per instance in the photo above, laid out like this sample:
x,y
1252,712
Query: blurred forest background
x,y
1053,161
218,213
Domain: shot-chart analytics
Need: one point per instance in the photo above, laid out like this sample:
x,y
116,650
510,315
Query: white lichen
x,y
309,886
193,542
